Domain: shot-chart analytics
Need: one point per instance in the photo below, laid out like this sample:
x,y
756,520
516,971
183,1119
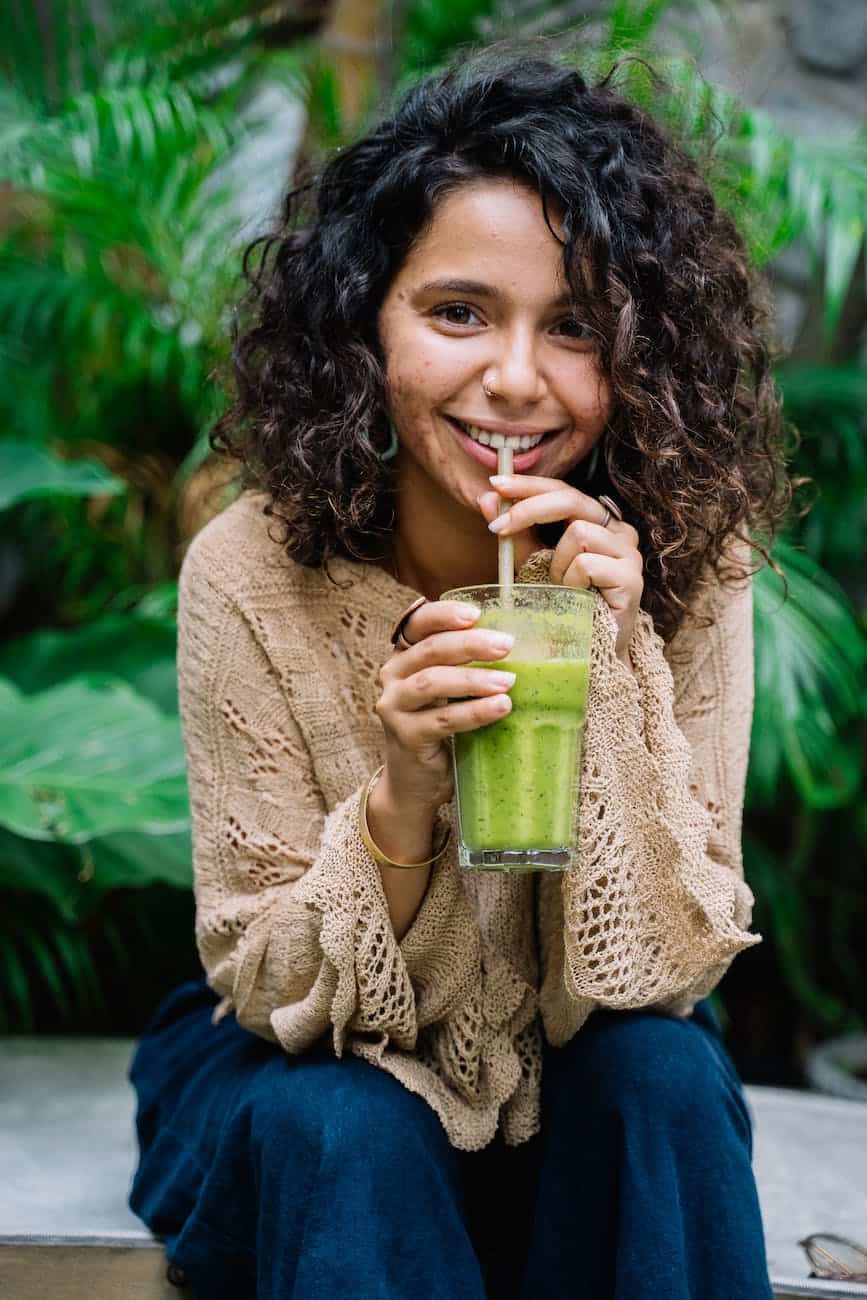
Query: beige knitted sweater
x,y
278,680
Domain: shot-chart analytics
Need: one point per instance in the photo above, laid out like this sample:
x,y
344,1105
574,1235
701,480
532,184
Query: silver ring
x,y
487,391
611,509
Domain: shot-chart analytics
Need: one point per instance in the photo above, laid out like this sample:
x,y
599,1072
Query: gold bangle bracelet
x,y
367,838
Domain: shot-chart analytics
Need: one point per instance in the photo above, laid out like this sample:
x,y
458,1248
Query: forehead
x,y
490,228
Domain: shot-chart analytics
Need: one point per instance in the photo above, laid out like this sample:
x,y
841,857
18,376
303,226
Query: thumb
x,y
489,504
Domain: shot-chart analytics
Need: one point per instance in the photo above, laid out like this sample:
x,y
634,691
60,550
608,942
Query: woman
x,y
418,1081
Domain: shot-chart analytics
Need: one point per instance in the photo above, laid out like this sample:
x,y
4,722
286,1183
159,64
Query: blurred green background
x,y
140,152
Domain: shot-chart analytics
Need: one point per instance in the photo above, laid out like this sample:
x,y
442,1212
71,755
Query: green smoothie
x,y
518,777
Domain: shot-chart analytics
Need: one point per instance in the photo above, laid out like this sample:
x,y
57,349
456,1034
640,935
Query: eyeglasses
x,y
837,1259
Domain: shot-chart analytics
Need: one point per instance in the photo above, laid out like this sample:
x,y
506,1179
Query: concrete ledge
x,y
67,1150
810,1159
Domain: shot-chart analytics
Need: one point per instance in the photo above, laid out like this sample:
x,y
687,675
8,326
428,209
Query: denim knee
x,y
339,1112
647,1062
358,1189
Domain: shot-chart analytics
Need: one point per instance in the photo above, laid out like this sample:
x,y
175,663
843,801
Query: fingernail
x,y
502,521
469,613
503,679
498,479
502,640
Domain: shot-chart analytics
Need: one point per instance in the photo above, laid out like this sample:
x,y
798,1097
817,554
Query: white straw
x,y
506,549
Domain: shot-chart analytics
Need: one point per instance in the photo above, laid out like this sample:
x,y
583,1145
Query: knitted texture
x,y
278,678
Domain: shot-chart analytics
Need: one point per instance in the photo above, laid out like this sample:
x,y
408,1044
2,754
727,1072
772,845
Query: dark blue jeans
x,y
308,1178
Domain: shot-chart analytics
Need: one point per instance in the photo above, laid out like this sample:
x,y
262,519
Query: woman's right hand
x,y
418,684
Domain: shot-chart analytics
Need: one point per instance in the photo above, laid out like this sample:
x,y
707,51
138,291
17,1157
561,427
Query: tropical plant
x,y
133,152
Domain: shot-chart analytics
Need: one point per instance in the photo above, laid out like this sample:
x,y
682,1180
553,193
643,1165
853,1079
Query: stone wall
x,y
804,62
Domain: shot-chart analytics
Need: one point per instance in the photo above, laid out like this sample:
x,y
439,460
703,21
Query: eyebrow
x,y
478,289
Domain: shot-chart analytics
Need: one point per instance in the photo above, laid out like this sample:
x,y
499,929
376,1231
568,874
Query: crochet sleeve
x,y
656,907
292,922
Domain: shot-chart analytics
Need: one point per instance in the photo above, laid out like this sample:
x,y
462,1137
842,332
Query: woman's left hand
x,y
588,554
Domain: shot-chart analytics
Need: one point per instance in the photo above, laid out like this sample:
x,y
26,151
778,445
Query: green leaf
x,y
137,650
84,759
159,603
631,22
75,877
433,31
17,1006
41,867
130,860
845,237
27,472
80,971
43,957
809,658
780,893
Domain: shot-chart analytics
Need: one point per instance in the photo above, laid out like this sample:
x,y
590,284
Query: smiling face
x,y
481,302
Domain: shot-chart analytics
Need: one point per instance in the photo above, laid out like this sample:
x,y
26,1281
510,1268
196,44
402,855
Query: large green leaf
x,y
129,860
84,759
27,472
809,655
75,876
41,867
139,651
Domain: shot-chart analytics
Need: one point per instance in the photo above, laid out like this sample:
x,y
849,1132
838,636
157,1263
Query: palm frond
x,y
828,406
111,130
776,186
795,187
810,655
50,51
97,974
784,911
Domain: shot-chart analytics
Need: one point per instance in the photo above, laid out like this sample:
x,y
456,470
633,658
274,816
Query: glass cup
x,y
516,779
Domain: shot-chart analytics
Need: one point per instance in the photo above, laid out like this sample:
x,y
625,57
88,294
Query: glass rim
x,y
584,593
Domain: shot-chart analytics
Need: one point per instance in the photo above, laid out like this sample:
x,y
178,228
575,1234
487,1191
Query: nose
x,y
514,373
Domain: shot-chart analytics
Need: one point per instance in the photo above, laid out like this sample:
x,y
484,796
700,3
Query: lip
x,y
487,456
503,426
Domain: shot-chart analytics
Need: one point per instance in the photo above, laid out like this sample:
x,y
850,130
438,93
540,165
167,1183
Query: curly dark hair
x,y
694,448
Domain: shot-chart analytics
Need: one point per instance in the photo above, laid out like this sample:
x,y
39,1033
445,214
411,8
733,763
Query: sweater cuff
x,y
648,917
362,984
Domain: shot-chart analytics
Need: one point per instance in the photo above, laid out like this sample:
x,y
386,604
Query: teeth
x,y
500,440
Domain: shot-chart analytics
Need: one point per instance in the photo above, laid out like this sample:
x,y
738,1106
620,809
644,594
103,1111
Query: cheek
x,y
407,388
603,400
422,362
420,380
592,401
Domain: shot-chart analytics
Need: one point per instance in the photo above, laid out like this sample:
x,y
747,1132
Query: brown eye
x,y
576,329
460,310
